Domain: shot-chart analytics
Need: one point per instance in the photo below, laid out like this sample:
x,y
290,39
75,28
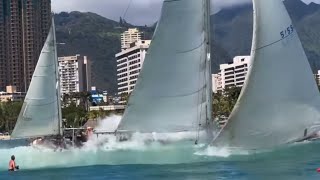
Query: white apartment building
x,y
11,94
75,74
130,36
317,77
129,64
216,82
232,74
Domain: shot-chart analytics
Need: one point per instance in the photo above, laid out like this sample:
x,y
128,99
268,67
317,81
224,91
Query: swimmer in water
x,y
12,164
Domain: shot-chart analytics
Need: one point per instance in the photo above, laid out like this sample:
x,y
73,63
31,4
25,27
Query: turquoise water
x,y
135,160
105,158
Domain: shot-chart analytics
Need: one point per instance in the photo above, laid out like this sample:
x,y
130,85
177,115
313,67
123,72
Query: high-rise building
x,y
232,74
129,64
2,48
130,36
24,26
317,77
75,74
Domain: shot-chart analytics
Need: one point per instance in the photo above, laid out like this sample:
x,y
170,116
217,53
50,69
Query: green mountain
x,y
233,28
99,38
96,37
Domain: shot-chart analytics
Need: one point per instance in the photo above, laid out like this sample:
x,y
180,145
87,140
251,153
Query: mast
x,y
60,132
209,122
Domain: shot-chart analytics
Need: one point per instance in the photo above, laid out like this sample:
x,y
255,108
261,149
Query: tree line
x,y
224,101
75,111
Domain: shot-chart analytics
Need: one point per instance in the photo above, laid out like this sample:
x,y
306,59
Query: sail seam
x,y
183,95
172,0
41,76
180,52
273,43
43,104
48,65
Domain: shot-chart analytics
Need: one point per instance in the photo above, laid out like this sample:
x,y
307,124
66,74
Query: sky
x,y
141,12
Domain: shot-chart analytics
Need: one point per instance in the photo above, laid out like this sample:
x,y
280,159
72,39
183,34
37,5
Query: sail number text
x,y
289,30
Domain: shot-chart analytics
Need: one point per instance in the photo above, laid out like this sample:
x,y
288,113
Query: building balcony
x,y
122,64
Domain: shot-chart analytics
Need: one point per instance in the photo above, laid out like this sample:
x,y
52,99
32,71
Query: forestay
x,y
280,98
173,90
40,114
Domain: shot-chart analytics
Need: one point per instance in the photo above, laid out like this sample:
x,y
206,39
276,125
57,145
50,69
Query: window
x,y
229,73
230,77
230,81
238,67
241,75
239,71
229,69
241,79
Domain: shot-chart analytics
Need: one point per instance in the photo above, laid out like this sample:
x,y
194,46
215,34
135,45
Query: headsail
x,y
41,113
280,98
174,87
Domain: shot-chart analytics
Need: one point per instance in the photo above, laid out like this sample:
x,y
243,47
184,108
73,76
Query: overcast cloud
x,y
140,12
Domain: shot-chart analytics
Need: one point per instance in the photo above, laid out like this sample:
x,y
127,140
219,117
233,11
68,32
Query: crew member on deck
x,y
12,164
38,141
89,132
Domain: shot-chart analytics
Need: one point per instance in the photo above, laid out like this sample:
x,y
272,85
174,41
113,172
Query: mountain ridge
x,y
235,34
99,38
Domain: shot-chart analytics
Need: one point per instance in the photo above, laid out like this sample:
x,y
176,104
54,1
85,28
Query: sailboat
x,y
173,91
40,115
280,101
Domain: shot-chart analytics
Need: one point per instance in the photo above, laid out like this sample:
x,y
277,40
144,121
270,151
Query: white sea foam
x,y
152,148
221,151
110,123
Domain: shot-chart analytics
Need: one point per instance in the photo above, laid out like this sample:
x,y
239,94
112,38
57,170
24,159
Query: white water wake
x,y
221,152
153,148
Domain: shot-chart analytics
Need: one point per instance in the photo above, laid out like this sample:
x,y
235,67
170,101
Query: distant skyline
x,y
141,12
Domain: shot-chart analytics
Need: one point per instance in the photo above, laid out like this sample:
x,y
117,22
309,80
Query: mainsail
x,y
173,92
280,98
41,111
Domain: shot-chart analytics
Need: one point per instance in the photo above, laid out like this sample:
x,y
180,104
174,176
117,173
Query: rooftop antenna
x,y
122,19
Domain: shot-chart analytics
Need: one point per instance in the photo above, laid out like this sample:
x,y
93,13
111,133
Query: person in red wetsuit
x,y
12,164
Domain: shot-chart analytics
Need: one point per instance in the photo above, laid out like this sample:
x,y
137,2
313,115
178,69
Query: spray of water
x,y
152,148
220,152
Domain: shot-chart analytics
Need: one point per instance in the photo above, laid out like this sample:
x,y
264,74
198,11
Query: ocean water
x,y
104,158
186,162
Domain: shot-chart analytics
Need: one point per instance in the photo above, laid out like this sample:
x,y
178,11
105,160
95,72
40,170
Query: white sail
x,y
41,113
280,98
174,87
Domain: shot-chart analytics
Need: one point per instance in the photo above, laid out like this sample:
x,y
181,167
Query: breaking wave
x,y
153,148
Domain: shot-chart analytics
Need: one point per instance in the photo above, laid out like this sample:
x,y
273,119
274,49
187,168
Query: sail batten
x,y
39,115
171,91
280,98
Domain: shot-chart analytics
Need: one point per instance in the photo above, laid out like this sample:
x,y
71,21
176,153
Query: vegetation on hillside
x,y
96,37
99,38
233,28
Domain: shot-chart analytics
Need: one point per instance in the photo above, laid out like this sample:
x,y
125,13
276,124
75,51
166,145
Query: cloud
x,y
140,12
